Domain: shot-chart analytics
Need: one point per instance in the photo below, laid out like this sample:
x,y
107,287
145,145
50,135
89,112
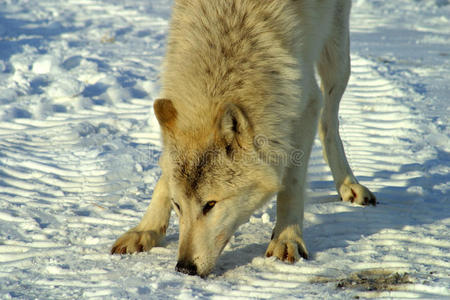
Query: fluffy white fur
x,y
240,105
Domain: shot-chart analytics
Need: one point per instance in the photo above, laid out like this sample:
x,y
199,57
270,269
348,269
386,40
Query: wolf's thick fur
x,y
240,104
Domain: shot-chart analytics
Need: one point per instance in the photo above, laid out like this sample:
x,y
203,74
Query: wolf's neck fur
x,y
220,51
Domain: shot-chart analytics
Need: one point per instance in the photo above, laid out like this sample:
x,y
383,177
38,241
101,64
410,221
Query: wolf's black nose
x,y
186,267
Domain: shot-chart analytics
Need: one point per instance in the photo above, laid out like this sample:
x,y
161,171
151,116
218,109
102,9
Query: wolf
x,y
238,111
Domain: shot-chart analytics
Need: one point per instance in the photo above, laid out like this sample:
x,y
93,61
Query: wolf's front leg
x,y
287,242
152,228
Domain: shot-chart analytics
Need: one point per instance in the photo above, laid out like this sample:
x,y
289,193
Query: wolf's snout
x,y
186,267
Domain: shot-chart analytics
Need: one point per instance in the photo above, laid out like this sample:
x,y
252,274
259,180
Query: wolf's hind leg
x,y
334,70
152,228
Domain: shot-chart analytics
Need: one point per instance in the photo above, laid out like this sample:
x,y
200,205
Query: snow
x,y
79,147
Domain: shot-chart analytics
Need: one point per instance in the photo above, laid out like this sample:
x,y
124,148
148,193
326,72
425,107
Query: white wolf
x,y
239,104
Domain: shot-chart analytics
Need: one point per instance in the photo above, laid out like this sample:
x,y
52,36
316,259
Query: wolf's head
x,y
217,178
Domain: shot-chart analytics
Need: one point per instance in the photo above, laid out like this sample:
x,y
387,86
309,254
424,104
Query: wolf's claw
x,y
288,246
357,193
289,251
136,241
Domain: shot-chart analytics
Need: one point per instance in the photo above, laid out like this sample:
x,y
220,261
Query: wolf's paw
x,y
136,241
288,246
357,193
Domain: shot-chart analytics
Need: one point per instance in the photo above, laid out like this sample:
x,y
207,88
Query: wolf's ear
x,y
165,112
234,125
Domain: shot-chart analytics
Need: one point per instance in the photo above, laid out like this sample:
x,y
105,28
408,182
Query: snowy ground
x,y
79,145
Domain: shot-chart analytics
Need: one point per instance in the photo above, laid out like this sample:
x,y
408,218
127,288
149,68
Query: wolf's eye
x,y
208,206
177,206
